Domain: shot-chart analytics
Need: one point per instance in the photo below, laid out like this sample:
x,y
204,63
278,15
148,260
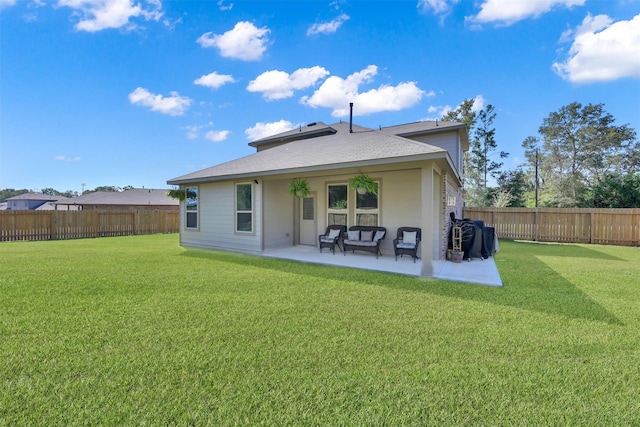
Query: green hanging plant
x,y
299,187
363,184
180,194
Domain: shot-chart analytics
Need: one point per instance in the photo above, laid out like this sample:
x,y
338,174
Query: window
x,y
244,208
337,204
367,208
308,209
191,207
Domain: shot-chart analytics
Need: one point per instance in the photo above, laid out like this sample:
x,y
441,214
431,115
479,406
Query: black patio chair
x,y
407,244
332,237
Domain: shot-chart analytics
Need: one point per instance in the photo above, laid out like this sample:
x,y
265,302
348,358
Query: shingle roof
x,y
342,149
36,196
132,197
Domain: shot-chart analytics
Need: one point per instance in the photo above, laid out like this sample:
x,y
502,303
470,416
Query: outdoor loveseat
x,y
364,238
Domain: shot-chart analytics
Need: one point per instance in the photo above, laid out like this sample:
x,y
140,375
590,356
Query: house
x,y
33,202
132,199
244,204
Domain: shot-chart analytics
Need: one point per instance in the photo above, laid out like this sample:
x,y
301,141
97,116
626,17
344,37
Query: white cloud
x,y
328,27
223,6
174,105
6,3
439,7
264,129
277,84
96,15
217,135
337,93
478,103
214,80
602,50
67,159
507,12
437,111
245,41
193,131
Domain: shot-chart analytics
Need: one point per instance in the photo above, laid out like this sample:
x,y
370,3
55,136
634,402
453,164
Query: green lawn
x,y
138,331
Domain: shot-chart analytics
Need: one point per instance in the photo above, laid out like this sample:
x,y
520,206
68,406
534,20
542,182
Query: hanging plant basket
x,y
180,194
177,193
363,184
299,187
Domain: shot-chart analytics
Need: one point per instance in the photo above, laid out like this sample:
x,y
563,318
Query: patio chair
x,y
407,242
332,237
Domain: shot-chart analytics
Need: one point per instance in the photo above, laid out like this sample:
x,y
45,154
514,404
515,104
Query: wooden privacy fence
x,y
60,225
576,225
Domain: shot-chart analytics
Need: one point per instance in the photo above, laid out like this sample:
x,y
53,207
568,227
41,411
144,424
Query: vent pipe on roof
x,y
351,117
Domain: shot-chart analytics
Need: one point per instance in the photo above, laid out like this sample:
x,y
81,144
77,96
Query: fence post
x,y
535,225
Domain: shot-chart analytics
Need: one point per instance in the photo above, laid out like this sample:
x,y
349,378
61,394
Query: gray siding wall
x,y
216,220
450,141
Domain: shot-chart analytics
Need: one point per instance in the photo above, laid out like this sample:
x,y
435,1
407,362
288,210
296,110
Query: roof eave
x,y
317,168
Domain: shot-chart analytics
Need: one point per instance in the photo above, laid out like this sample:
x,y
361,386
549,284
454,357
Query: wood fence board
x,y
59,225
574,225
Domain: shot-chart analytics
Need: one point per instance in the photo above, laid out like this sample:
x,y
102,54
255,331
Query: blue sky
x,y
136,92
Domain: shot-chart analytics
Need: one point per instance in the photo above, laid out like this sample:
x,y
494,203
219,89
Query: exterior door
x,y
308,227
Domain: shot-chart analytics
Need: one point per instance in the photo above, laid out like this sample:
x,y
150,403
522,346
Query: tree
x,y
7,193
50,192
617,191
463,114
109,188
477,162
467,115
580,146
484,144
515,183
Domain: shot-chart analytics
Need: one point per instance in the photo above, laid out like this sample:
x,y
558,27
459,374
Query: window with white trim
x,y
368,208
244,208
337,204
191,207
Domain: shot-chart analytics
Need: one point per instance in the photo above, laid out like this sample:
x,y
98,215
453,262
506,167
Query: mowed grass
x,y
139,331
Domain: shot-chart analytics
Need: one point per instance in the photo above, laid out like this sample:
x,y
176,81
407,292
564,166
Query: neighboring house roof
x,y
37,197
340,149
132,197
3,206
51,206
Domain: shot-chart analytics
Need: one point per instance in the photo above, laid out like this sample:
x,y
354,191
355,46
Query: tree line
x,y
7,193
579,158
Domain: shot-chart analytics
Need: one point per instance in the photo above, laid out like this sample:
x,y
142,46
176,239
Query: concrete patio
x,y
483,272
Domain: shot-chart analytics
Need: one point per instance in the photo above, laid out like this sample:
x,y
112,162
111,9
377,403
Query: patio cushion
x,y
409,237
333,233
326,239
405,245
379,235
366,236
360,243
353,235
